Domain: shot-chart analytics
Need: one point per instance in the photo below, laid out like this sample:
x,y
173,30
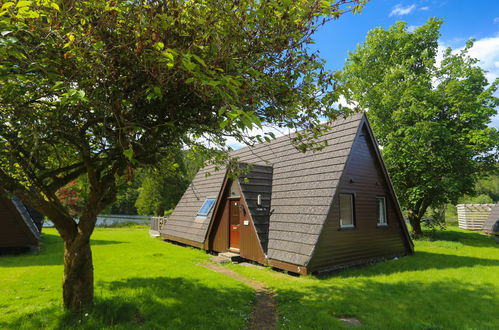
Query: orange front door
x,y
235,225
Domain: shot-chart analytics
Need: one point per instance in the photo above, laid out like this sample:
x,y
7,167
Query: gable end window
x,y
347,211
206,207
381,210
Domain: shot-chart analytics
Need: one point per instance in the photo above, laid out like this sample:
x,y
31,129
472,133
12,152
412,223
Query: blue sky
x,y
478,19
463,19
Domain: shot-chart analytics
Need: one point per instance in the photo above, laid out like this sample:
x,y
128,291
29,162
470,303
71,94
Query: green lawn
x,y
451,283
140,281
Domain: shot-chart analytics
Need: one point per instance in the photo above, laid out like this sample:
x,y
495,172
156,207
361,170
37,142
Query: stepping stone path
x,y
264,312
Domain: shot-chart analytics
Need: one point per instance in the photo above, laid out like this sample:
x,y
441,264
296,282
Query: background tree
x,y
126,195
162,185
97,88
431,118
71,198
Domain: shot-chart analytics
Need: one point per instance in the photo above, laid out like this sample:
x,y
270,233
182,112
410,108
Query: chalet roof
x,y
26,217
303,187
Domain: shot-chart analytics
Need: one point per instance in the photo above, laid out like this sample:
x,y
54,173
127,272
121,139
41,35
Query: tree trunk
x,y
78,282
415,224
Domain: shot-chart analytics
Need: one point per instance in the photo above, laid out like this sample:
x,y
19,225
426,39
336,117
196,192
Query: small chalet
x,y
303,212
20,226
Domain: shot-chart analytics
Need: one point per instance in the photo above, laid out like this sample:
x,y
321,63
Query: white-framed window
x,y
347,211
206,207
381,210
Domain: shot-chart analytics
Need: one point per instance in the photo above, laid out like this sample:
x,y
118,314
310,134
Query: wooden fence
x,y
472,216
104,220
156,224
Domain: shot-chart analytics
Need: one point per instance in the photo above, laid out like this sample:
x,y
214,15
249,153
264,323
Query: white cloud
x,y
425,8
486,50
411,28
400,10
235,144
496,20
344,103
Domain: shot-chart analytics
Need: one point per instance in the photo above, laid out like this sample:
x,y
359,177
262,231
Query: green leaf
x,y
168,57
199,59
188,64
7,5
128,153
23,3
159,45
232,115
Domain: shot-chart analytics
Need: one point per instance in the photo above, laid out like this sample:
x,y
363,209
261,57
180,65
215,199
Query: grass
x,y
139,282
450,283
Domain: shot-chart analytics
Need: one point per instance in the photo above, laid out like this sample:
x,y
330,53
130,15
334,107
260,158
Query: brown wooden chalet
x,y
303,212
20,226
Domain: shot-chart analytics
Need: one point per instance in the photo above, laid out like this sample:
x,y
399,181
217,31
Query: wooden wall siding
x,y
219,236
366,241
473,216
250,247
491,220
13,230
259,182
251,234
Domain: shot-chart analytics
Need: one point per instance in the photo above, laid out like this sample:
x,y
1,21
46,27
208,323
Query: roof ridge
x,y
333,123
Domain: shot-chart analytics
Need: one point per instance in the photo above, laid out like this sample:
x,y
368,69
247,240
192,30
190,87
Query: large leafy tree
x,y
97,88
431,118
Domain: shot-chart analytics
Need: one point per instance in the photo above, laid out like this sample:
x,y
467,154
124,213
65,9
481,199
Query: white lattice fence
x,y
472,216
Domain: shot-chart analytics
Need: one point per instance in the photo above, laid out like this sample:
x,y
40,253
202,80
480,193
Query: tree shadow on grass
x,y
152,303
420,261
470,238
50,253
401,305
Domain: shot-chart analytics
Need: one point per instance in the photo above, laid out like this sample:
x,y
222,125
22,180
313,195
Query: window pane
x,y
381,210
206,207
346,210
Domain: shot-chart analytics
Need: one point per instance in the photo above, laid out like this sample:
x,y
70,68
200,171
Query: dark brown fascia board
x,y
302,270
365,122
182,240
